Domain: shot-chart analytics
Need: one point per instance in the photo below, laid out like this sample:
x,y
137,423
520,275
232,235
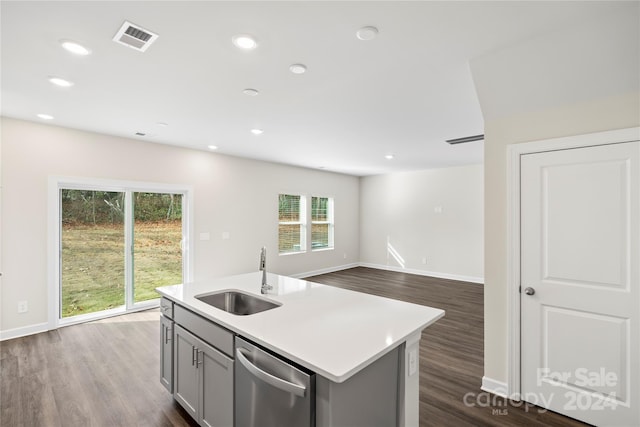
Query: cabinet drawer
x,y
166,308
213,334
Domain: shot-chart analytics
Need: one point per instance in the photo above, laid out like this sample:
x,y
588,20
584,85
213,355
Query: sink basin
x,y
237,303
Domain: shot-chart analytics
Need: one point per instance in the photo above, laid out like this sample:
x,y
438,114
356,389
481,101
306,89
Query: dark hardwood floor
x,y
105,373
451,350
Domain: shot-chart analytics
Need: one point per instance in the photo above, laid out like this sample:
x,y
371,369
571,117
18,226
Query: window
x,y
292,230
321,223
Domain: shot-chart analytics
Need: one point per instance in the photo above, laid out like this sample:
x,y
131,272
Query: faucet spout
x,y
263,267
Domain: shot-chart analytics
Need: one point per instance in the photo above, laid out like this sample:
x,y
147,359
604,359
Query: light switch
x,y
226,235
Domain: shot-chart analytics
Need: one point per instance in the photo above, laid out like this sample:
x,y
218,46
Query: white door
x,y
580,327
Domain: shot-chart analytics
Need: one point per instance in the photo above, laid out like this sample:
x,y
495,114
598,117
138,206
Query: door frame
x,y
514,153
56,183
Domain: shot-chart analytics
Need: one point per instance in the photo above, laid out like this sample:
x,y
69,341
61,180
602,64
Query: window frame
x,y
58,183
302,223
330,222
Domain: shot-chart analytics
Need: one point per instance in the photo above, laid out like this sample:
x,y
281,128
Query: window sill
x,y
291,253
322,249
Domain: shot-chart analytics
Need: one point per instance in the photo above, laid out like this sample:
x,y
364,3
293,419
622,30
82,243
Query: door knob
x,y
529,291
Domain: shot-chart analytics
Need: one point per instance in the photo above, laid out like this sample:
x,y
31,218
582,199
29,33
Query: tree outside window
x,y
291,224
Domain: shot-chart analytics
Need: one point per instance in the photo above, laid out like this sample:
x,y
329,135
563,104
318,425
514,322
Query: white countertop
x,y
331,331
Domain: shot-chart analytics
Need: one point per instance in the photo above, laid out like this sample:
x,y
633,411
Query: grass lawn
x,y
93,267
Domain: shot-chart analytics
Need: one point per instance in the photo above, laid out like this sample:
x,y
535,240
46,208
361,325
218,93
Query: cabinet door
x,y
186,381
166,353
216,375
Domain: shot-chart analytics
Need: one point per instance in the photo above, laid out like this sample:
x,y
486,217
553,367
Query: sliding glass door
x,y
157,243
116,247
92,251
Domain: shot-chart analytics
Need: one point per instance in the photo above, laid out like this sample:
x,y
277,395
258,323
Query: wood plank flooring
x,y
105,373
451,350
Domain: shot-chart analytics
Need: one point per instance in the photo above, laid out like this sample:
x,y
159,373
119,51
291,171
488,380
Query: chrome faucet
x,y
263,267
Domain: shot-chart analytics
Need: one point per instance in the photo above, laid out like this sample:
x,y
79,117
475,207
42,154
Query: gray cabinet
x,y
203,380
370,398
166,307
166,344
217,388
185,385
166,353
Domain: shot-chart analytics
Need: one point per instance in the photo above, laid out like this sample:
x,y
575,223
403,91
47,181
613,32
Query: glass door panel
x,y
157,238
92,240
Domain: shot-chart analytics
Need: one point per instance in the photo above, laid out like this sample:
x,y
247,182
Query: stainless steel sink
x,y
237,303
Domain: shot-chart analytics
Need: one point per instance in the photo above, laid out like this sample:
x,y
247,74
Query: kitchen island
x,y
337,334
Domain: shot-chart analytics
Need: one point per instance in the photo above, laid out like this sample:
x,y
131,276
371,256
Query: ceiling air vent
x,y
465,139
134,36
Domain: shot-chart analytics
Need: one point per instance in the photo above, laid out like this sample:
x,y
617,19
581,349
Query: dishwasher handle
x,y
279,383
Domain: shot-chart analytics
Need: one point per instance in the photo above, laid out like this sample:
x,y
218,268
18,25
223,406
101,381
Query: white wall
x,y
580,80
235,195
434,214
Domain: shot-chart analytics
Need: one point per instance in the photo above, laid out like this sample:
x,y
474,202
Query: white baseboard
x,y
324,271
492,386
24,331
471,279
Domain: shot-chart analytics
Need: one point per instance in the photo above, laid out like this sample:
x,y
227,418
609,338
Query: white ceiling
x,y
403,93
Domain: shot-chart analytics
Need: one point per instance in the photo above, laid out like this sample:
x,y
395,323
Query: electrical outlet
x,y
345,256
23,307
413,361
424,260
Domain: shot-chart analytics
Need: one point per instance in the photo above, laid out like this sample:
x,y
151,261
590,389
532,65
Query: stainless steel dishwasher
x,y
271,392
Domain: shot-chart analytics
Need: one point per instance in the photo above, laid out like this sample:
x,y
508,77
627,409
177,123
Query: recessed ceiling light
x,y
45,116
162,124
367,33
60,81
298,68
212,147
389,156
250,92
75,48
244,41
257,131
